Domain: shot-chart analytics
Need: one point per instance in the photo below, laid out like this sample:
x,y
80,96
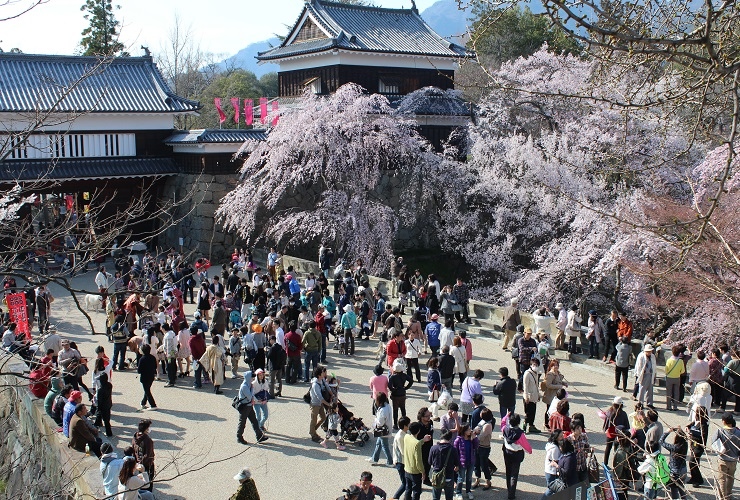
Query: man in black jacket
x,y
446,368
276,358
444,456
505,389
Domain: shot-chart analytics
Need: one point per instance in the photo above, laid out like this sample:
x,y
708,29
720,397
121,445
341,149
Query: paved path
x,y
194,427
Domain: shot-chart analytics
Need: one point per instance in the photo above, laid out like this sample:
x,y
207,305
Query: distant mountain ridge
x,y
442,16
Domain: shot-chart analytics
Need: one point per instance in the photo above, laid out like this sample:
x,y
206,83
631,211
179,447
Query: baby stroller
x,y
235,318
353,429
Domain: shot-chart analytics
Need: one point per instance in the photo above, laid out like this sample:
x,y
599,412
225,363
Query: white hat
x,y
397,366
243,475
197,314
618,400
514,301
361,289
559,305
649,348
347,308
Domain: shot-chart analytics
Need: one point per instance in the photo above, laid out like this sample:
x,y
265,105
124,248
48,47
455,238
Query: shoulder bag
x,y
437,477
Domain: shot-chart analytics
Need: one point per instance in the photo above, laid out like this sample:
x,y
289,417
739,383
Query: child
x,y
342,343
543,351
434,381
332,428
637,423
160,317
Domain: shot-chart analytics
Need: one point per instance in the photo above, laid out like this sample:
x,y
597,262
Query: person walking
x,y
197,344
512,319
318,402
531,396
382,430
514,447
245,407
349,325
147,369
144,449
505,389
276,360
726,442
732,379
398,384
413,351
470,387
213,364
484,431
261,391
573,329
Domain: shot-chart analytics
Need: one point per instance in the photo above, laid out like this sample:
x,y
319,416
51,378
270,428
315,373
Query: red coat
x,y
394,351
320,322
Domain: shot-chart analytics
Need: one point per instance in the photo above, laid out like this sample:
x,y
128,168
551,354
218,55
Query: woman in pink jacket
x,y
378,383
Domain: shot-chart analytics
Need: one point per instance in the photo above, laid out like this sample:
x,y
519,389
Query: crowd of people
x,y
282,330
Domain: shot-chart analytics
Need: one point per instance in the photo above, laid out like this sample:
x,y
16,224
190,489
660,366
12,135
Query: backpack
x,y
662,474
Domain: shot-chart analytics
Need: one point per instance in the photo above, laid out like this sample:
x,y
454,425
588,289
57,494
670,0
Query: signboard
x,y
19,312
575,492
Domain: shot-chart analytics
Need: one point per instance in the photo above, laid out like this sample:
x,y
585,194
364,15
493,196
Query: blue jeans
x,y
262,413
402,474
198,376
548,478
311,357
448,489
382,442
119,349
593,346
503,410
481,463
464,474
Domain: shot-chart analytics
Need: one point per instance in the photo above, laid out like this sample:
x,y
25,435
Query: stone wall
x,y
34,458
198,228
202,235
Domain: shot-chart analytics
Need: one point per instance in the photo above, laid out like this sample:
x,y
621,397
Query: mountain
x,y
446,19
245,58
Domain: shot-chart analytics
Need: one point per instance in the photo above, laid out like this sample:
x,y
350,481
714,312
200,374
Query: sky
x,y
221,27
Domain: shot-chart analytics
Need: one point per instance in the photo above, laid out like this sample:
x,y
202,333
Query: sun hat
x,y
435,317
347,308
397,366
649,348
559,305
243,475
618,400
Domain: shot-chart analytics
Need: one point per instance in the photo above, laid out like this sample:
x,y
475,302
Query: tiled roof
x,y
432,101
218,136
84,169
367,29
31,83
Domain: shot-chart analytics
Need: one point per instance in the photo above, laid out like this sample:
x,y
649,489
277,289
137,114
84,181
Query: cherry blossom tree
x,y
331,170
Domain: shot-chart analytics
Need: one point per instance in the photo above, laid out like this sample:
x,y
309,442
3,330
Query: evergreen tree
x,y
101,36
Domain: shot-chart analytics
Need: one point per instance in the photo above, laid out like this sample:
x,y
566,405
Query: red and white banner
x,y
248,111
275,115
19,312
221,115
235,105
263,109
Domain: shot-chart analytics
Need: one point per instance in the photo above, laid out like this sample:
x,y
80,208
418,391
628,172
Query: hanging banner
x,y
248,111
221,115
235,105
18,311
69,201
275,115
263,109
